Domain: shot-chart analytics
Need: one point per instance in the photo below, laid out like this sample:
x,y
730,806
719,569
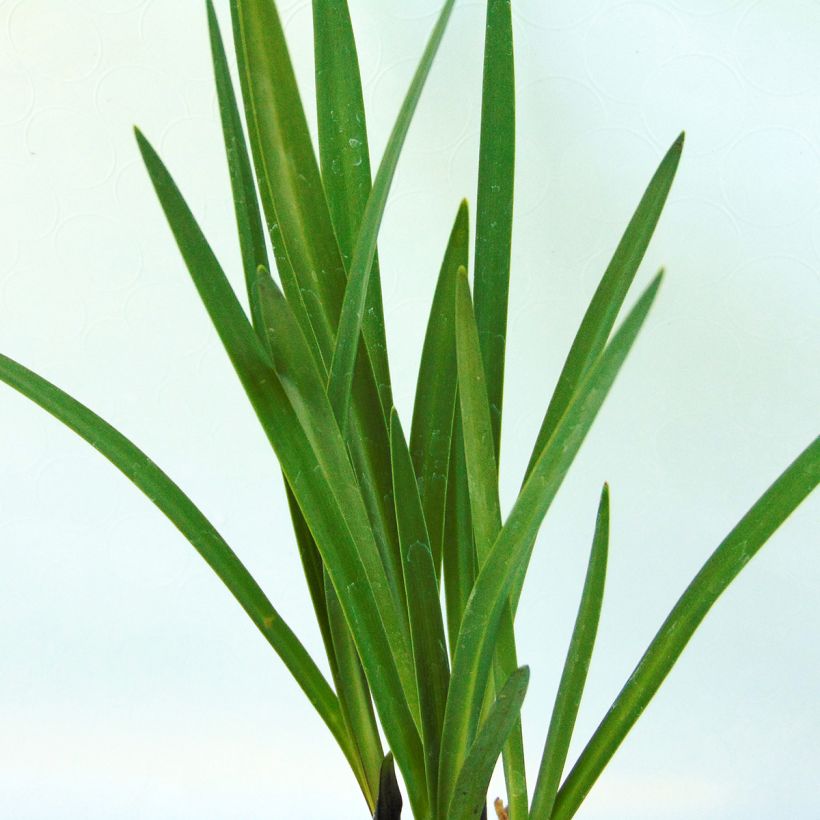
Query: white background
x,y
131,684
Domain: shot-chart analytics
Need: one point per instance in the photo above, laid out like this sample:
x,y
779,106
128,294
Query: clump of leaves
x,y
382,523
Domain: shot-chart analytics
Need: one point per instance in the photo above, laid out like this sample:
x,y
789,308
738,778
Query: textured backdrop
x,y
131,685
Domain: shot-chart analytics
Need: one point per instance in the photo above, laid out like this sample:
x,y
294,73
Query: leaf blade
x,y
765,516
354,698
426,624
345,161
485,508
309,260
609,296
494,207
512,548
470,792
328,520
576,666
434,407
187,518
246,206
350,319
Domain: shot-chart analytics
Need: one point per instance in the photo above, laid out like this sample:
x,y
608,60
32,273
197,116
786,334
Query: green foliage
x,y
382,524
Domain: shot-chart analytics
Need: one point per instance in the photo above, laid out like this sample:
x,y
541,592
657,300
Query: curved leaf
x,y
186,517
576,666
512,548
350,320
426,624
345,160
606,303
723,566
470,792
494,206
435,401
485,506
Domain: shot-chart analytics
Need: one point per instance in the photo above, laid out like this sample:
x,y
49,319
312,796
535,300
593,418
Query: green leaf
x,y
314,574
426,624
470,792
246,206
799,479
310,262
482,471
482,481
305,390
303,386
513,547
288,173
354,699
186,517
459,560
576,666
336,524
390,802
494,211
345,160
350,320
434,406
606,303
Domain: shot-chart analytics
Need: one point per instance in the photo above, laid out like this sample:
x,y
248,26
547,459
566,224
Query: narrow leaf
x,y
329,519
302,384
606,303
485,507
799,479
246,206
459,560
496,171
186,517
354,699
350,320
426,624
470,792
513,547
314,574
482,471
576,666
434,406
345,160
309,259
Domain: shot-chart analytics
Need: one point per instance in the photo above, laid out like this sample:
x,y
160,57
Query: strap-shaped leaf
x,y
485,506
329,520
308,256
389,804
459,560
482,470
289,173
354,699
576,666
246,205
350,321
187,518
606,303
789,490
434,406
345,160
470,793
305,391
513,547
426,624
314,574
494,207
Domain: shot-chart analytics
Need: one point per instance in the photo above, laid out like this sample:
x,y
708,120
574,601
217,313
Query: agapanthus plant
x,y
413,572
